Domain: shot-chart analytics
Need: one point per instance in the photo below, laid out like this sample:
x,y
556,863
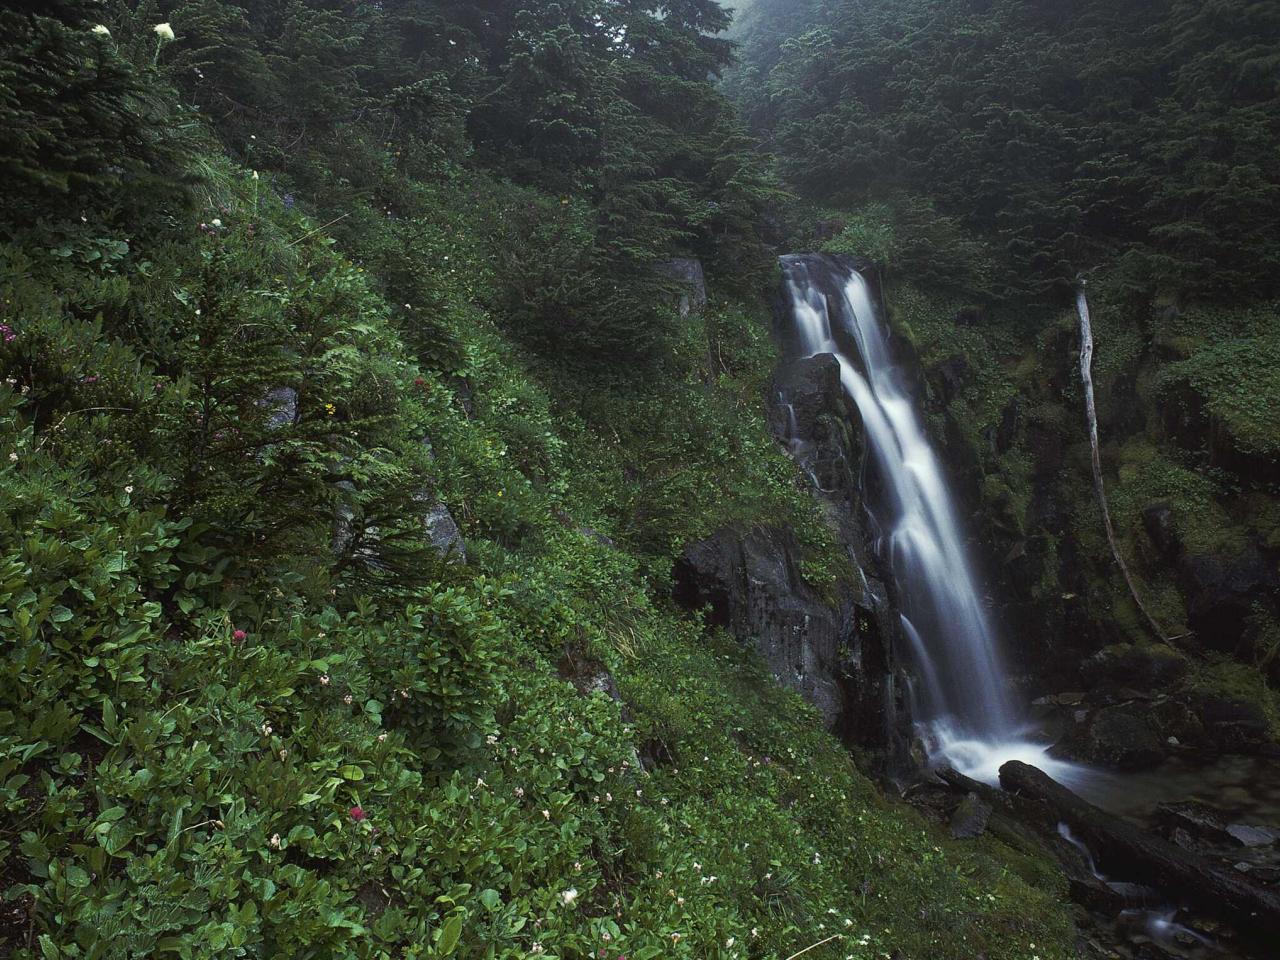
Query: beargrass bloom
x,y
164,31
357,813
100,31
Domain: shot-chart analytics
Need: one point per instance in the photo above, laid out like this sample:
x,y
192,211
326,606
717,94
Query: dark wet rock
x,y
1157,520
1199,824
1147,667
950,377
589,675
970,819
656,752
1222,593
443,533
750,584
597,536
1249,836
1119,737
281,405
688,274
811,416
1176,722
1263,873
1234,724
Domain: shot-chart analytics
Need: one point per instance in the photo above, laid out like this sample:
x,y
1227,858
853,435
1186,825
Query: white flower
x,y
13,458
215,222
163,31
729,943
255,174
569,896
275,841
101,31
129,489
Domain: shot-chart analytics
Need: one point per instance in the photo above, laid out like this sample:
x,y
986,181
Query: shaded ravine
x,y
958,692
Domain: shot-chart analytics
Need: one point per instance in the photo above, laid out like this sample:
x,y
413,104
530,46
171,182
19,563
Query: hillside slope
x,y
347,446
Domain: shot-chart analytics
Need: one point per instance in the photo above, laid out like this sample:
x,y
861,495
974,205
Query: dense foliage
x,y
285,290
1064,135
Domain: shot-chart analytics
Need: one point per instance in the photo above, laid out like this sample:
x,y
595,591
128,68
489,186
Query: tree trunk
x,y
1091,410
1124,850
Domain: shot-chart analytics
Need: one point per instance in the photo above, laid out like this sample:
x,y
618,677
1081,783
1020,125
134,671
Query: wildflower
x,y
519,793
164,31
675,938
347,699
239,636
546,814
13,458
100,31
382,738
577,866
729,943
606,936
536,948
288,201
491,739
284,754
330,409
266,729
255,175
357,813
324,680
569,896
275,841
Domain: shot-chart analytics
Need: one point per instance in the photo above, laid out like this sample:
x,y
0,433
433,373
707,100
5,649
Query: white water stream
x,y
960,703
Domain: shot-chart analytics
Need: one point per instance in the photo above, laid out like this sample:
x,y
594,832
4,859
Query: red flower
x,y
357,813
418,381
239,636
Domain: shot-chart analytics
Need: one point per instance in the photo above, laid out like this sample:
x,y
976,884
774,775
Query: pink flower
x,y
357,813
239,636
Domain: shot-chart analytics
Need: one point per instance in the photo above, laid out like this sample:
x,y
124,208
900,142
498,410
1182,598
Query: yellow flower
x,y
330,409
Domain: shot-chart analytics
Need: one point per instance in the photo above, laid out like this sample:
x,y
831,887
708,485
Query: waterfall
x,y
960,701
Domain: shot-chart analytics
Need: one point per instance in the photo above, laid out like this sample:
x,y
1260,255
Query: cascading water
x,y
960,701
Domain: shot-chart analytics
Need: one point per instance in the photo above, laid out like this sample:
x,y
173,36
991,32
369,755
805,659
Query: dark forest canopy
x,y
1068,134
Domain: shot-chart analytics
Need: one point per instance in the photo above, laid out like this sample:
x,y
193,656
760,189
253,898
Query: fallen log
x,y
1123,850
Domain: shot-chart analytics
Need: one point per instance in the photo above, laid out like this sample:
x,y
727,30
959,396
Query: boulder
x,y
1154,666
1222,592
1119,737
281,405
970,818
749,583
688,274
443,533
810,415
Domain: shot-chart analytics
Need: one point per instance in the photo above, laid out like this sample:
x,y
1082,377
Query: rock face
x,y
443,533
750,584
1119,737
836,649
688,273
281,405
